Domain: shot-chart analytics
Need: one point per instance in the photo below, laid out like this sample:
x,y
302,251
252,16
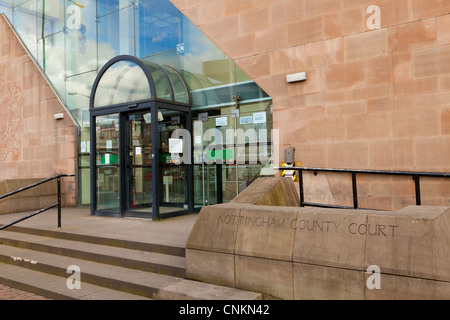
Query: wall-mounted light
x,y
296,77
58,116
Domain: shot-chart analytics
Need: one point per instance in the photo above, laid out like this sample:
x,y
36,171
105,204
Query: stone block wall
x,y
32,143
33,199
308,253
288,252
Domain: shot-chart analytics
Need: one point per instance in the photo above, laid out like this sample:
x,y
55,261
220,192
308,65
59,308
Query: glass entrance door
x,y
138,167
173,195
141,148
230,151
107,162
215,170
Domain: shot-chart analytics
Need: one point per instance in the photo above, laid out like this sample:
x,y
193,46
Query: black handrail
x,y
415,175
58,204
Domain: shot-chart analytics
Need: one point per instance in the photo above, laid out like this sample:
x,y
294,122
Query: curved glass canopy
x,y
127,79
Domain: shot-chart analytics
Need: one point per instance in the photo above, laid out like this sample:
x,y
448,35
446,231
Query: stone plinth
x,y
270,192
316,253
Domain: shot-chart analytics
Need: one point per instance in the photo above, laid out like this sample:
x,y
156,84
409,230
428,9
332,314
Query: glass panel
x,y
205,185
116,35
78,91
161,80
173,173
51,57
6,8
81,38
157,27
170,58
107,160
107,6
53,13
179,88
25,24
123,82
139,163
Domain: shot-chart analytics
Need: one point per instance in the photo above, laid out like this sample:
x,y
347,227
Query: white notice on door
x,y
259,117
175,145
220,122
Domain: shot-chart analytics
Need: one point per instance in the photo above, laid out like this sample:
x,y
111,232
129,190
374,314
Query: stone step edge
x,y
116,277
54,287
112,258
179,290
107,241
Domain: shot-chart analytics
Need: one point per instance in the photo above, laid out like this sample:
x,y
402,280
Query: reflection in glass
x,y
78,93
123,82
107,162
81,38
24,17
51,57
161,80
50,15
157,27
178,85
6,8
107,6
116,35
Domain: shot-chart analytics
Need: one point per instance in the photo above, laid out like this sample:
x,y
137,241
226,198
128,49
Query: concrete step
x,y
46,274
143,283
38,264
54,287
107,241
130,258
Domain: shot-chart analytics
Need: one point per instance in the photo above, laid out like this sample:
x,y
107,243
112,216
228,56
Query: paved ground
x,y
7,293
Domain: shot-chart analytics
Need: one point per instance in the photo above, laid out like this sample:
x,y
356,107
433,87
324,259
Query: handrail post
x,y
300,182
355,191
417,183
59,202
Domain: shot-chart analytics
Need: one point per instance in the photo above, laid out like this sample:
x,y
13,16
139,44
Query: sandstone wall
x,y
32,143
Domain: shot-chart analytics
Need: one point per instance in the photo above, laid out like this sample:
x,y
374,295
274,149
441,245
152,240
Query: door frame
x,y
123,110
124,170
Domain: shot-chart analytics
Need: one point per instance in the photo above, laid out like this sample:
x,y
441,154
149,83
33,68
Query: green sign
x,y
109,159
226,154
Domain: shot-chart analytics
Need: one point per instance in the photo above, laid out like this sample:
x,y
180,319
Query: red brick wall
x,y
374,99
32,143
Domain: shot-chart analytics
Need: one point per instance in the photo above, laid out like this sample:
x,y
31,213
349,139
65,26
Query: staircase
x,y
37,261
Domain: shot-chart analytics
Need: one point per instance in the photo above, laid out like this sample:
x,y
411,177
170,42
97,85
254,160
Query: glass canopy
x,y
127,79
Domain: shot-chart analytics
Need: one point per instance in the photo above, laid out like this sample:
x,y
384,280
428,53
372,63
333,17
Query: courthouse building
x,y
107,90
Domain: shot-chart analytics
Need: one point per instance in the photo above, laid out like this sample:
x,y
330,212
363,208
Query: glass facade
x,y
72,40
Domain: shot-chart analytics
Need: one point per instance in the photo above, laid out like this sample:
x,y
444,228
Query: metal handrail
x,y
415,175
58,204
